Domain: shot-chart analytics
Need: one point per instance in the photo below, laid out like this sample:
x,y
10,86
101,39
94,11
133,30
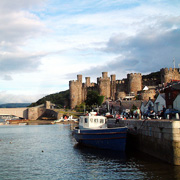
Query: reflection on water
x,y
101,153
50,152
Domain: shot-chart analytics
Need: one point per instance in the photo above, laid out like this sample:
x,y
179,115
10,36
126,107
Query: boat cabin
x,y
92,121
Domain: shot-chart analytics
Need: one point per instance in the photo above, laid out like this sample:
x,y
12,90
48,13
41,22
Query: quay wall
x,y
158,138
20,112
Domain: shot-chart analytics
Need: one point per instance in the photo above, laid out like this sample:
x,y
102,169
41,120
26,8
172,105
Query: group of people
x,y
149,114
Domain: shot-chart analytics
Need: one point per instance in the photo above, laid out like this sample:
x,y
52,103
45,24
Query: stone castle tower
x,y
134,83
75,88
114,89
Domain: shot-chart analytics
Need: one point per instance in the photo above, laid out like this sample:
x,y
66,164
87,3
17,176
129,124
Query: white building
x,y
176,103
159,102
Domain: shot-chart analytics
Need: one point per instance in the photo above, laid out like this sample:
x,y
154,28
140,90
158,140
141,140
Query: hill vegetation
x,y
153,75
14,105
61,99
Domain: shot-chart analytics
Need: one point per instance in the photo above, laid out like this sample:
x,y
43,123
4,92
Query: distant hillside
x,y
14,105
156,75
61,99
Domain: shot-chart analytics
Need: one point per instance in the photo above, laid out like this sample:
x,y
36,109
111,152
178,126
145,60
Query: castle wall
x,y
122,85
113,87
120,95
148,94
167,75
150,82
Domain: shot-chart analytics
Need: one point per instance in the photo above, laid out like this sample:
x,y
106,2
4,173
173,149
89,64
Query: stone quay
x,y
158,138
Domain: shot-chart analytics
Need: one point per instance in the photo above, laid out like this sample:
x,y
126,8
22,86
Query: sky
x,y
45,43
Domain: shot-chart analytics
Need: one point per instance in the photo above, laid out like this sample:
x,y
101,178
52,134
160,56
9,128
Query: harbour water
x,y
49,152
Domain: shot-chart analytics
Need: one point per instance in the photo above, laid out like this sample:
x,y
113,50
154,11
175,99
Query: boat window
x,y
81,120
86,120
95,120
91,120
101,121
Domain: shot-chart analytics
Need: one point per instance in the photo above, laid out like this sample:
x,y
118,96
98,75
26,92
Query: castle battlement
x,y
113,77
169,70
134,75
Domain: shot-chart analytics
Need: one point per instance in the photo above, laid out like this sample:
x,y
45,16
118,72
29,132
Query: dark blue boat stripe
x,y
104,138
102,133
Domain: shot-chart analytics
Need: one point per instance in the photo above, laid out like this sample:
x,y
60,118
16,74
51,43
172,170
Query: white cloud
x,y
7,97
44,44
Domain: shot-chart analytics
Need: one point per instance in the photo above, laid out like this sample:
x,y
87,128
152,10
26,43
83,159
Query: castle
x,y
126,88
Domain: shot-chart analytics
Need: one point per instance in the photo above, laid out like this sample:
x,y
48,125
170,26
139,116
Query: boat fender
x,y
79,131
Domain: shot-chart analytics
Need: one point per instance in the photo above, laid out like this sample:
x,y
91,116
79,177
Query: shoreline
x,y
35,122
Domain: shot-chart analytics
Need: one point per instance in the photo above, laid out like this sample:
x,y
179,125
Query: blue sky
x,y
46,43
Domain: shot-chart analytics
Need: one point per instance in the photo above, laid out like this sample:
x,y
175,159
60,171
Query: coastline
x,y
36,122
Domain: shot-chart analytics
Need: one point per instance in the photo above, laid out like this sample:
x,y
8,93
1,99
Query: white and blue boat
x,y
93,132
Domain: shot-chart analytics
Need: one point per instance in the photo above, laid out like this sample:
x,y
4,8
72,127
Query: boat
x,y
93,131
65,119
22,124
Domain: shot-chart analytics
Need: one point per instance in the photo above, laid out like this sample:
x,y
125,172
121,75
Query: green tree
x,y
93,98
100,100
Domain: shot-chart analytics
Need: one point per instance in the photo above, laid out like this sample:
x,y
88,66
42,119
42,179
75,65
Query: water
x,y
49,152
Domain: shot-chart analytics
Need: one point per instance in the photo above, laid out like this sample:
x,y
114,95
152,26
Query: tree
x,y
93,98
100,100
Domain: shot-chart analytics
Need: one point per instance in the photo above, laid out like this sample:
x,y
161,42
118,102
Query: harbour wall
x,y
158,138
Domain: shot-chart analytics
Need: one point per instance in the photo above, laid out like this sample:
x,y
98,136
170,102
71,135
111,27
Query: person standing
x,y
164,110
138,113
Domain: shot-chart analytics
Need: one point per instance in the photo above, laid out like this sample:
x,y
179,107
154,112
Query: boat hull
x,y
108,138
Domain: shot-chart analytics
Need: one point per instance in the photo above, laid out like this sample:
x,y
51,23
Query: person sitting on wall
x,y
152,115
117,119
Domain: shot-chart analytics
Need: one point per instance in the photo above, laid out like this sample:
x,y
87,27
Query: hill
x,y
61,99
14,105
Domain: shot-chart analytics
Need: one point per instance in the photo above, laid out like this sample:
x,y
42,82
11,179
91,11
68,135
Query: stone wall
x,y
160,139
148,94
113,87
35,112
19,112
169,74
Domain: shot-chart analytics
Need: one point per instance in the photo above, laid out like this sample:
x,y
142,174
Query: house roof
x,y
162,95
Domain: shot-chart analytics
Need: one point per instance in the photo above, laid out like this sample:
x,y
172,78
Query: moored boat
x,y
93,131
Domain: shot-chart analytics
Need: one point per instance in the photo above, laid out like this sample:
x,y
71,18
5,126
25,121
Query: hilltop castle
x,y
129,87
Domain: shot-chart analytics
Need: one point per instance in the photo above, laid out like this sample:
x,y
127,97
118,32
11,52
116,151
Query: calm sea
x,y
49,152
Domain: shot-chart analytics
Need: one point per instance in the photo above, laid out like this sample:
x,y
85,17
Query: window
x,y
101,121
86,120
81,120
169,94
95,120
91,120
